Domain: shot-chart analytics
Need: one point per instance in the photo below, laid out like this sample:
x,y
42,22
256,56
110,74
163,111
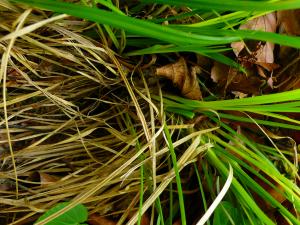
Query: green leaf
x,y
75,216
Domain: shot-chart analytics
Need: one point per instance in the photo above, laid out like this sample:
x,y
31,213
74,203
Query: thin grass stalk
x,y
178,181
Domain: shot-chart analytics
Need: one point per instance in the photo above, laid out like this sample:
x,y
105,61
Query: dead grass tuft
x,y
74,121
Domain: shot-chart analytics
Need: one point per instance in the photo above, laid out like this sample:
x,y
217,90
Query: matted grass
x,y
80,122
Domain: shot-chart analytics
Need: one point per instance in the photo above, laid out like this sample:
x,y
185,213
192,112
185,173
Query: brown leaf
x,y
237,47
261,72
234,81
245,84
265,54
47,179
263,23
95,219
203,61
239,94
145,220
177,222
289,21
181,77
268,66
270,82
219,72
276,193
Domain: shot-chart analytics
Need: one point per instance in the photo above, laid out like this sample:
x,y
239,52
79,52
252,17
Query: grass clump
x,y
84,119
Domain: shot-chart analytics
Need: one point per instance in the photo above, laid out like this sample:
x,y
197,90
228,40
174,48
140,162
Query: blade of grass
x,y
160,212
257,158
218,199
140,27
238,189
242,34
231,5
171,48
178,181
247,120
257,100
201,190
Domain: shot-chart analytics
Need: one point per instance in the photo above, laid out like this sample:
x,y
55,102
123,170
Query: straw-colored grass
x,y
64,113
84,124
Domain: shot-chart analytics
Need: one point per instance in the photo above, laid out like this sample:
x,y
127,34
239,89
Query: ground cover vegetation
x,y
149,112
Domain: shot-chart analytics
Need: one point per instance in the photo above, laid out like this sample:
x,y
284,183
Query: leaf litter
x,y
182,77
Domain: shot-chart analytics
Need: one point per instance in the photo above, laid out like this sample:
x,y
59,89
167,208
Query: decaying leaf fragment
x,y
95,219
289,21
231,80
181,77
266,23
47,179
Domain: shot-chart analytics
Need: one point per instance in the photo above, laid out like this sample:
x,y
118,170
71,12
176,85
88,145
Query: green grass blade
x,y
201,190
183,48
264,99
159,210
258,121
241,193
178,180
242,34
236,5
137,26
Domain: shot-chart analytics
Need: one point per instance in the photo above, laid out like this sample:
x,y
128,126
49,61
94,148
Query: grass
x,y
198,41
83,121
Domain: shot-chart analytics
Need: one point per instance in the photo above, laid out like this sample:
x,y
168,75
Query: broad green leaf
x,y
75,216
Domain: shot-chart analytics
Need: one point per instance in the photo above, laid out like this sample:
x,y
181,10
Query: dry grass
x,y
75,122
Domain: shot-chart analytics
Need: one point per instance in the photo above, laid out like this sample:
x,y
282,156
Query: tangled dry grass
x,y
80,122
76,124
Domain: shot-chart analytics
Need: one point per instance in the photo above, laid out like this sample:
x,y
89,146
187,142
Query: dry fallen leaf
x,y
247,85
177,222
230,79
47,179
263,23
145,219
289,21
265,54
239,94
270,81
181,77
219,72
268,66
95,219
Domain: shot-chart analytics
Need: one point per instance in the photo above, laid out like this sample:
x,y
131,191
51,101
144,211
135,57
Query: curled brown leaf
x,y
181,77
